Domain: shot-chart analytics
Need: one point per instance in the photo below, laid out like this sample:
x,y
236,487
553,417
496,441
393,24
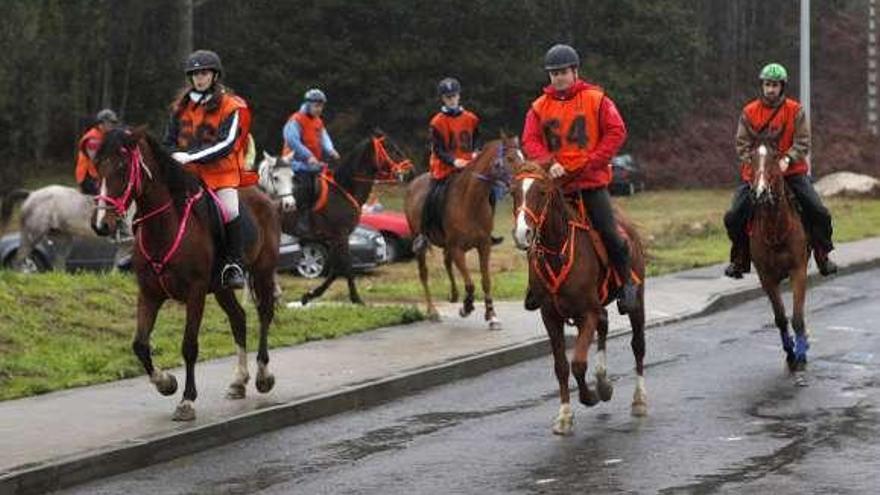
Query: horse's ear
x,y
378,132
266,155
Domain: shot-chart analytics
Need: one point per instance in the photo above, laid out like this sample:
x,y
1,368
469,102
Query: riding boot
x,y
628,299
739,261
531,302
496,240
232,276
825,265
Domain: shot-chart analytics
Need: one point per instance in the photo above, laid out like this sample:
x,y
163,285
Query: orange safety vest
x,y
757,114
458,136
85,167
310,129
198,127
571,132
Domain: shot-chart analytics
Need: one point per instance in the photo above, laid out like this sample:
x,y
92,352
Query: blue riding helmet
x,y
315,95
448,86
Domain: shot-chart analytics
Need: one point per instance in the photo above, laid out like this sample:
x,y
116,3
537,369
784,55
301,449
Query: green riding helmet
x,y
774,72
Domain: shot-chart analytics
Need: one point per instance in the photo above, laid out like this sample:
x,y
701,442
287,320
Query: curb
x,y
117,459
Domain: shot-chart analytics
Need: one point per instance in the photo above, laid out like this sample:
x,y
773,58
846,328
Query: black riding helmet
x,y
203,59
561,56
448,86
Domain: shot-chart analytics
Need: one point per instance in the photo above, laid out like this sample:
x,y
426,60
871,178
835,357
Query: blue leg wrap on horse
x,y
800,347
787,343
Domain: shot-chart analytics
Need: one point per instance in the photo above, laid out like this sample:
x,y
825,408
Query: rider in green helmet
x,y
775,114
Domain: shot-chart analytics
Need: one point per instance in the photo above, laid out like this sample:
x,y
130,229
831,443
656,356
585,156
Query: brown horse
x,y
569,274
177,258
779,249
338,209
467,221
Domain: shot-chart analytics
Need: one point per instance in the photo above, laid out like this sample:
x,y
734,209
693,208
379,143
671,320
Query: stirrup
x,y
232,276
733,270
826,267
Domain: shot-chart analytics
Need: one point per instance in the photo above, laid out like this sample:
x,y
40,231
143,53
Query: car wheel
x,y
34,263
313,263
392,248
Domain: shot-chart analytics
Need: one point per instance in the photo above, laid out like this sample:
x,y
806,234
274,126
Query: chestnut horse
x,y
779,249
338,208
467,222
571,278
176,256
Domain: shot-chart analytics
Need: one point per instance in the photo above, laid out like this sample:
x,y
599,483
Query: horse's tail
x,y
8,203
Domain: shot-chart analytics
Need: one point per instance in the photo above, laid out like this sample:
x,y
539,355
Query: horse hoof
x,y
494,324
563,427
184,412
588,398
305,299
358,301
236,391
265,383
433,315
800,380
465,312
453,297
605,390
168,386
639,409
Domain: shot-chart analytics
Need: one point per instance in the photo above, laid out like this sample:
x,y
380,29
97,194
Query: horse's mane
x,y
180,183
344,173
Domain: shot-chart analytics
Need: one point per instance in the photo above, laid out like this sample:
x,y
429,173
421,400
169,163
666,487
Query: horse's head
x,y
391,164
121,167
496,161
276,178
532,191
767,181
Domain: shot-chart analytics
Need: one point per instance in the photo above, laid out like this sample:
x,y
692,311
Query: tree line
x,y
378,61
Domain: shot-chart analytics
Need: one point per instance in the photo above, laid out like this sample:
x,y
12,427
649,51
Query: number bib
x,y
570,127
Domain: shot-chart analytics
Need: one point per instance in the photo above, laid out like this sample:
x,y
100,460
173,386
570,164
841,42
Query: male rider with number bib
x,y
573,129
775,113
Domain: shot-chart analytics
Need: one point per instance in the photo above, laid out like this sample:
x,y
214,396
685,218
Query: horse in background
x,y
176,229
468,219
276,180
570,275
780,250
341,193
57,213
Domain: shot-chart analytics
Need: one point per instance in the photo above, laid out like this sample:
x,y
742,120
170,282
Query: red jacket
x,y
86,149
580,131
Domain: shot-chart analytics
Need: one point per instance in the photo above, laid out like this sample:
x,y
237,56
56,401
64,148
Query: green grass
x,y
62,330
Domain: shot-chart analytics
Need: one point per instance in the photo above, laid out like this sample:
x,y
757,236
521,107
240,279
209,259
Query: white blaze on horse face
x,y
522,229
762,183
99,214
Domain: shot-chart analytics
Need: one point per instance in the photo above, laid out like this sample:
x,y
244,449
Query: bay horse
x,y
779,249
176,256
341,193
570,275
467,222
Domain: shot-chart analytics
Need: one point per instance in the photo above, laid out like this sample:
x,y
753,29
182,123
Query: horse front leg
x,y
771,288
603,385
637,343
264,290
801,336
486,281
458,257
332,274
195,307
564,421
423,278
587,325
453,287
346,270
238,322
147,310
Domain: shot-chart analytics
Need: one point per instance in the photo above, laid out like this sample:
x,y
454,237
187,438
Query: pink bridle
x,y
135,162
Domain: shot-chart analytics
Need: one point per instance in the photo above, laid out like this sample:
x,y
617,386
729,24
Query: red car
x,y
395,230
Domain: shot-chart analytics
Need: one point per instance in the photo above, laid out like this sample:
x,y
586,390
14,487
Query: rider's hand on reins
x,y
460,162
556,170
783,163
181,157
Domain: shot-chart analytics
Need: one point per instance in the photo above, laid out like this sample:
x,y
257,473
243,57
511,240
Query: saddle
x,y
215,215
310,190
612,283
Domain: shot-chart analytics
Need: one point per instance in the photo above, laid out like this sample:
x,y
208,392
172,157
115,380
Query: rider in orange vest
x,y
455,137
86,173
307,144
207,134
574,130
773,112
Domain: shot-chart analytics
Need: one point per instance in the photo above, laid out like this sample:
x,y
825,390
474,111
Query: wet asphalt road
x,y
724,417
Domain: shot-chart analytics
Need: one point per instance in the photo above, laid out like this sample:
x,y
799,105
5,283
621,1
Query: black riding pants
x,y
817,219
737,217
435,202
598,205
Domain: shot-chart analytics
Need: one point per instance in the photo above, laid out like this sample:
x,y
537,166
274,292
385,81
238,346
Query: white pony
x,y
276,179
54,212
